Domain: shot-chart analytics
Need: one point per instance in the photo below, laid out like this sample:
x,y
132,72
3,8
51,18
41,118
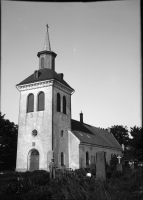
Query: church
x,y
45,127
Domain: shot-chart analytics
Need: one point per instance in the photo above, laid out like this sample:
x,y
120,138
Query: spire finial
x,y
47,46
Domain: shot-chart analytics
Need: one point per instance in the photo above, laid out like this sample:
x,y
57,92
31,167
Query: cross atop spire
x,y
47,46
47,27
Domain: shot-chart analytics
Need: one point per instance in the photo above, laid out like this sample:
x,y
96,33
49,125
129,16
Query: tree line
x,y
9,133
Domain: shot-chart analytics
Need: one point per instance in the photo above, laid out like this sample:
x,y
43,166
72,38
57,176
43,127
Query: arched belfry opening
x,y
33,160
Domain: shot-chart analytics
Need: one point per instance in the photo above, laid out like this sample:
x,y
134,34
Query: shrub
x,y
69,186
117,174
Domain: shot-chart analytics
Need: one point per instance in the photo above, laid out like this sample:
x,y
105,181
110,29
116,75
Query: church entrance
x,y
34,160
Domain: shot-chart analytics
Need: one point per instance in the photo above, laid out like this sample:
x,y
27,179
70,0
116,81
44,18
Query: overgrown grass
x,y
69,186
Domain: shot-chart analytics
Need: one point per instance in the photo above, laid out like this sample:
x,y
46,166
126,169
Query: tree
x,y
8,141
135,142
121,134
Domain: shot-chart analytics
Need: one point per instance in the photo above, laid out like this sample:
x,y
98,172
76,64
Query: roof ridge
x,y
88,124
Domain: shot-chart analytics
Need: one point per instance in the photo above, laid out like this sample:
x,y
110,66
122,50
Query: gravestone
x,y
92,166
119,167
119,158
49,157
52,169
132,166
100,166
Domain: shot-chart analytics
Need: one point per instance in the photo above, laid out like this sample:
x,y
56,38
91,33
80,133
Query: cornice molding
x,y
46,83
62,87
35,85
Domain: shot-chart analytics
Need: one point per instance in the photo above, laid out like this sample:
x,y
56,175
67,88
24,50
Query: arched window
x,y
87,158
105,155
62,133
58,103
30,103
64,104
41,101
42,63
62,159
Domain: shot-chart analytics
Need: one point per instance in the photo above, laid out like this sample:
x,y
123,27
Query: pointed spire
x,y
47,46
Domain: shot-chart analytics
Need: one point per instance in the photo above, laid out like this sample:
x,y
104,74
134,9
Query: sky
x,y
98,50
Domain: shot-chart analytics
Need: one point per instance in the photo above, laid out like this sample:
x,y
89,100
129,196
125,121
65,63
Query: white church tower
x,y
44,116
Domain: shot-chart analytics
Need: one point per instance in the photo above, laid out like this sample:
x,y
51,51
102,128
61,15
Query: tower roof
x,y
45,74
47,46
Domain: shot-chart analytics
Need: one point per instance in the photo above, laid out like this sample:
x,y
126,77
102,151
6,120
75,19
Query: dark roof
x,y
45,74
92,135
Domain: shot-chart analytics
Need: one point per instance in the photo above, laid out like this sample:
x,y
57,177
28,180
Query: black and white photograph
x,y
71,100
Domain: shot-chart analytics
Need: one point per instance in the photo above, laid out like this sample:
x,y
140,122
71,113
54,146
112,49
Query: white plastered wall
x,y
39,120
73,151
